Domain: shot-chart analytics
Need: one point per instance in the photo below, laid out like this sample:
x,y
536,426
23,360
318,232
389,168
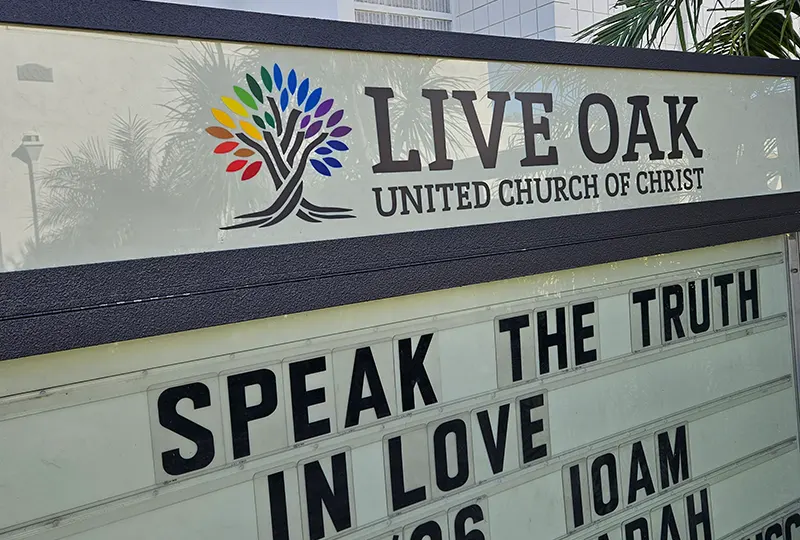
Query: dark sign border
x,y
49,310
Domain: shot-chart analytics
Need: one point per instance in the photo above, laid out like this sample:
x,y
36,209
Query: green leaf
x,y
255,88
270,120
245,97
265,76
259,122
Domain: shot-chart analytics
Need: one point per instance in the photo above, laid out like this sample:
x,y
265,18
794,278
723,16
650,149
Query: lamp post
x,y
29,152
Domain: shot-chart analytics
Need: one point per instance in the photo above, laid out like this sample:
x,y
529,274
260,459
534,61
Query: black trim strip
x,y
86,305
48,310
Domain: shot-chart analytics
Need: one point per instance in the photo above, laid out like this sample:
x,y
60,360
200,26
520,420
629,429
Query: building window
x,y
402,20
441,6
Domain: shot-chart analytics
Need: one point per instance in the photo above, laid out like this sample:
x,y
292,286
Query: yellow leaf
x,y
223,118
251,130
235,106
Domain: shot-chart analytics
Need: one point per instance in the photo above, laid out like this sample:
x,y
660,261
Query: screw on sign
x,y
281,124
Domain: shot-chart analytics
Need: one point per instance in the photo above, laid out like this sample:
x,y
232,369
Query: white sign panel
x,y
645,400
227,146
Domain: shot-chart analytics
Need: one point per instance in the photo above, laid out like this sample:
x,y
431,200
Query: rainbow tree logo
x,y
283,125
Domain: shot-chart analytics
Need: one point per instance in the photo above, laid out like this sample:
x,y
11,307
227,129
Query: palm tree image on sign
x,y
283,125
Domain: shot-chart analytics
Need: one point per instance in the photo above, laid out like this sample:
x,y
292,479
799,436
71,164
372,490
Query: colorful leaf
x,y
284,99
251,170
313,99
251,130
292,82
244,152
338,145
320,167
266,78
341,131
324,107
278,76
235,106
323,151
236,165
270,120
223,118
302,92
219,133
304,122
259,122
314,129
224,148
332,162
335,118
255,88
245,97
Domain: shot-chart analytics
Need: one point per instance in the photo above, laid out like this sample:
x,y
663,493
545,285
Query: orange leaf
x,y
244,152
219,133
225,147
236,165
251,170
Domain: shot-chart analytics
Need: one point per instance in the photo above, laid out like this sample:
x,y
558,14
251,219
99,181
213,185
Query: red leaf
x,y
236,165
225,147
251,170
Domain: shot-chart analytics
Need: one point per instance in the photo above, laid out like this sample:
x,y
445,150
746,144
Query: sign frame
x,y
93,304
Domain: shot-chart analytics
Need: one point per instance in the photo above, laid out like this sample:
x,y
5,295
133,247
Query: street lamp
x,y
29,152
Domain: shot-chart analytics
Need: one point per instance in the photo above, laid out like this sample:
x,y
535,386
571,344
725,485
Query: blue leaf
x,y
302,92
313,99
277,75
333,162
323,151
320,167
292,81
338,145
284,99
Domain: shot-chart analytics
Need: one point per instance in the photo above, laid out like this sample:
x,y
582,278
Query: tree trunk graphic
x,y
285,136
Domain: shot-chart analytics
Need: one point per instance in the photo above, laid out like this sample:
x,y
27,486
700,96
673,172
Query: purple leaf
x,y
341,131
314,129
304,122
335,118
332,162
323,151
323,108
338,145
320,167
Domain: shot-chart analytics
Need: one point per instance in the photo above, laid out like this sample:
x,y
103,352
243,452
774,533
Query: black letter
x,y
576,489
557,339
364,369
601,506
512,325
172,461
387,164
673,461
748,295
700,517
529,428
495,449
472,512
792,523
531,128
444,481
400,497
412,372
773,531
437,97
705,301
430,530
649,136
581,333
486,151
640,477
336,498
672,313
722,282
641,525
613,125
277,506
241,414
303,399
644,298
677,127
